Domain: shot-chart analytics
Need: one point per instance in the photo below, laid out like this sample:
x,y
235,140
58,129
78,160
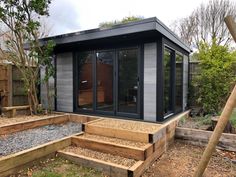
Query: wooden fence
x,y
11,82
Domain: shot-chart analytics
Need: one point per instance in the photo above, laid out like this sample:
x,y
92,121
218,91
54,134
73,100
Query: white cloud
x,y
74,15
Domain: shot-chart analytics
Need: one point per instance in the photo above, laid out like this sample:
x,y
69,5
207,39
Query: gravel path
x,y
30,138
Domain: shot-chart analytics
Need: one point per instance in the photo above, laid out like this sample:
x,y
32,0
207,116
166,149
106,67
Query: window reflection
x,y
85,86
105,80
178,82
128,80
167,82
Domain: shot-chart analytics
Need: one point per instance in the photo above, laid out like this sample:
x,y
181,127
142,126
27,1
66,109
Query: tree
x,y
206,23
116,22
216,77
224,117
49,71
23,49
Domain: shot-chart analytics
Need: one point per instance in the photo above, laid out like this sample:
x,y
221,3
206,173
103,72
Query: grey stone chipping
x,y
26,139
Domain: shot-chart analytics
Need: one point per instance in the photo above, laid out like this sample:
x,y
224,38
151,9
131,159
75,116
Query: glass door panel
x,y
178,82
104,77
128,81
167,83
85,85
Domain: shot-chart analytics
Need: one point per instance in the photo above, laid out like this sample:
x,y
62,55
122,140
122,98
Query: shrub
x,y
216,77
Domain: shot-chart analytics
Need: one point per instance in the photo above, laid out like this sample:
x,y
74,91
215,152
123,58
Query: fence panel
x,y
5,84
12,84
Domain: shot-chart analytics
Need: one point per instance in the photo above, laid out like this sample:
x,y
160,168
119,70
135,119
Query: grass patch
x,y
206,120
58,167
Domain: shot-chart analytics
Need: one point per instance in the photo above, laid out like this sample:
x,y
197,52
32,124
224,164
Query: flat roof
x,y
149,24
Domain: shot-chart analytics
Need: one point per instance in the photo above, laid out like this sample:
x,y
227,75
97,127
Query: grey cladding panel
x,y
43,91
150,57
65,82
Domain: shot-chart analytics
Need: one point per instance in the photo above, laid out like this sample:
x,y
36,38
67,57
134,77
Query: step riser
x,y
109,169
122,134
115,149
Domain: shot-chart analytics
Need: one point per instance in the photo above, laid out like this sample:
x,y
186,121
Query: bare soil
x,y
21,118
113,140
128,125
181,160
101,156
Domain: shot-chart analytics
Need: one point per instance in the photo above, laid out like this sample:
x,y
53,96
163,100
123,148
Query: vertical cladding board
x,y
64,82
150,69
43,91
185,81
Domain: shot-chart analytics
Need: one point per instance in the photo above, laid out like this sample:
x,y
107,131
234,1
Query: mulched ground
x,y
181,160
26,139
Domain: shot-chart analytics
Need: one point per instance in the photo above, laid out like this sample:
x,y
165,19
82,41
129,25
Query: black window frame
x,y
115,113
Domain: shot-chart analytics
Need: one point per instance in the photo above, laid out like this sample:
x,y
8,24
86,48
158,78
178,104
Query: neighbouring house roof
x,y
149,24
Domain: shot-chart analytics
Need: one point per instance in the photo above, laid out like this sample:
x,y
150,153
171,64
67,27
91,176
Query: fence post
x,y
10,91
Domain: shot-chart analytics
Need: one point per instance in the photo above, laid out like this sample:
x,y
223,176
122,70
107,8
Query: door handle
x,y
83,82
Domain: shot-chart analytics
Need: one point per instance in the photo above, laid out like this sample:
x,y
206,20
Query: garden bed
x,y
15,142
201,138
26,141
208,123
12,163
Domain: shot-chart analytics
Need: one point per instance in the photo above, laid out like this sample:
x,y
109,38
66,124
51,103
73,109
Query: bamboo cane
x,y
231,26
224,117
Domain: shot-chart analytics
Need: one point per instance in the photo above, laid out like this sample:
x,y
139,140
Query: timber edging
x,y
201,138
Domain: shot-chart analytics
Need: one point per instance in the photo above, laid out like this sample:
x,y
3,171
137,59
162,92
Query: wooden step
x,y
102,162
123,148
147,133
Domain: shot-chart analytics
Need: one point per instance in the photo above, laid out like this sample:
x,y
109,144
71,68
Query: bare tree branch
x,y
207,23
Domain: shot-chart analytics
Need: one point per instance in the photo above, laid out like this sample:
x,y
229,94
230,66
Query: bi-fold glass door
x,y
108,82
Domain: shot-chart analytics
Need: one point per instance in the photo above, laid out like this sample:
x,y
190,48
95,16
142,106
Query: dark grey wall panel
x,y
150,69
65,82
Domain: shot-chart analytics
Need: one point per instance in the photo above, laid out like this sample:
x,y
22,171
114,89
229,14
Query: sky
x,y
76,15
